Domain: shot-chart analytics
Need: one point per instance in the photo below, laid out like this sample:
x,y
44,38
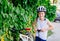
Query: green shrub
x,y
21,14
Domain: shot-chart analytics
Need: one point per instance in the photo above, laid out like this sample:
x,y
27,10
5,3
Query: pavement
x,y
56,32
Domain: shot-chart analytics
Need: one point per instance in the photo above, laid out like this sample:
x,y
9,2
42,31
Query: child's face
x,y
41,14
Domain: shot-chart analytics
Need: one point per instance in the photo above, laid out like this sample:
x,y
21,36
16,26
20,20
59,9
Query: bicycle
x,y
23,37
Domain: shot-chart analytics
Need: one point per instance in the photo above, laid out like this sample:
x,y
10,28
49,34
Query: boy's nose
x,y
41,15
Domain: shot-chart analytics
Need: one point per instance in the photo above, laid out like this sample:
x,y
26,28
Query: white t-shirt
x,y
40,25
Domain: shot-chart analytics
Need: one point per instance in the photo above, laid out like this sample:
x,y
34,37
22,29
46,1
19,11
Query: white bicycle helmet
x,y
41,9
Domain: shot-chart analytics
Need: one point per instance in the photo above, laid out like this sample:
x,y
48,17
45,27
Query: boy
x,y
42,25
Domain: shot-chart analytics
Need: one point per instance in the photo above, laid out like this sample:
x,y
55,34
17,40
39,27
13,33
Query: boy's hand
x,y
43,29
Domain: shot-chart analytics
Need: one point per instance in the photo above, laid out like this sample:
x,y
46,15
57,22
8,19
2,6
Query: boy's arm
x,y
34,25
50,25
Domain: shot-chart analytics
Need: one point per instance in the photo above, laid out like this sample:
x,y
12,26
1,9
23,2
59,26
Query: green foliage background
x,y
21,13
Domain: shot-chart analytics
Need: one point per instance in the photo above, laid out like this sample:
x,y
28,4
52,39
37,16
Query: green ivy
x,y
21,14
